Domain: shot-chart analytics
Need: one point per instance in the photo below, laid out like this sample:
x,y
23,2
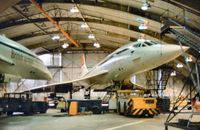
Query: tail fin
x,y
84,69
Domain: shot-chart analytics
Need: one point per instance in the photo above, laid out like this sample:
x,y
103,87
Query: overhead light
x,y
74,10
189,59
65,45
145,6
173,73
97,45
179,65
84,25
55,37
91,36
143,26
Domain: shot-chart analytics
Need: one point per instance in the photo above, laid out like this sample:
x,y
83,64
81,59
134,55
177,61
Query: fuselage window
x,y
148,43
122,51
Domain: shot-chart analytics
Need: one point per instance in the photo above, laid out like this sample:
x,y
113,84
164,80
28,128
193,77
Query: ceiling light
x,y
65,45
143,26
145,6
97,45
74,10
179,65
84,25
173,73
189,59
55,37
91,36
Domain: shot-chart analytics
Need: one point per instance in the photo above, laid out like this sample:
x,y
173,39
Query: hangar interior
x,y
96,28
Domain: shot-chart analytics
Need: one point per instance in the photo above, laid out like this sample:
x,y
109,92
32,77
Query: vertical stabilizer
x,y
84,69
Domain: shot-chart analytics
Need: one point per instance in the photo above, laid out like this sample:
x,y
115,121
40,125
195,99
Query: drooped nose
x,y
170,52
174,49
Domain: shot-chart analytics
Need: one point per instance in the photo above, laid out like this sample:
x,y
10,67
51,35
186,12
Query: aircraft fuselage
x,y
18,60
130,60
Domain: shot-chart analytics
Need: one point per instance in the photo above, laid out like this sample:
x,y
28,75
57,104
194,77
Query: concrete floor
x,y
54,120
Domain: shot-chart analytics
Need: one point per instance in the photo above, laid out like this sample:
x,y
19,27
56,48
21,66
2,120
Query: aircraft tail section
x,y
84,68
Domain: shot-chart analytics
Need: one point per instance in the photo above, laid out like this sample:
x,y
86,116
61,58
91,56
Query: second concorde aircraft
x,y
133,58
17,60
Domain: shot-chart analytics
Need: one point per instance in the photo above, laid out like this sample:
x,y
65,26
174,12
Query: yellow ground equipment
x,y
183,102
73,108
133,103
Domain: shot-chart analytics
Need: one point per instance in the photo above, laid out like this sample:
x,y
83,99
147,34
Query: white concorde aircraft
x,y
17,60
133,58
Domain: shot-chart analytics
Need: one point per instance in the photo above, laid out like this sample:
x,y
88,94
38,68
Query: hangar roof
x,y
113,22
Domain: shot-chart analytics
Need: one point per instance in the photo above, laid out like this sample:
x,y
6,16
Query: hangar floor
x,y
59,121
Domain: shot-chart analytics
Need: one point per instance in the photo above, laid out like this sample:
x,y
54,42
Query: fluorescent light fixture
x,y
74,10
179,65
65,45
55,37
189,59
91,36
145,6
84,25
97,45
173,73
143,26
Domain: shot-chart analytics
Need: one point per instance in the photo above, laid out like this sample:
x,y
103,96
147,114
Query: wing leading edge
x,y
79,81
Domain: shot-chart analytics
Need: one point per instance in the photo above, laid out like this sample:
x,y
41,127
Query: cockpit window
x,y
137,45
143,45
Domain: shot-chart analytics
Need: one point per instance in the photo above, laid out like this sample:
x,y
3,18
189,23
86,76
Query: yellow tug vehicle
x,y
134,103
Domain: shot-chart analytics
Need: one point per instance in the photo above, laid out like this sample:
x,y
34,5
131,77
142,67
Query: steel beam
x,y
55,23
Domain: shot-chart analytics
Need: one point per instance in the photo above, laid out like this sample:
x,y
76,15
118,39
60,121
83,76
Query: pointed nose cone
x,y
171,52
185,48
174,49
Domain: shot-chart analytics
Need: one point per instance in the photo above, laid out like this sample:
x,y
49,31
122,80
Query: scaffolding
x,y
191,38
187,124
